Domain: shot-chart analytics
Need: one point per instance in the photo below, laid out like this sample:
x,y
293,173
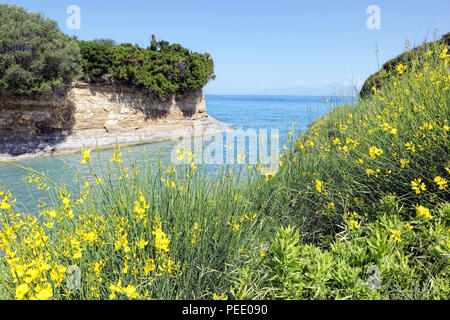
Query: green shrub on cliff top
x,y
96,57
34,54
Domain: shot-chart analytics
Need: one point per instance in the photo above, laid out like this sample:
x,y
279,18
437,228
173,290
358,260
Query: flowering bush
x,y
365,187
34,54
163,68
366,190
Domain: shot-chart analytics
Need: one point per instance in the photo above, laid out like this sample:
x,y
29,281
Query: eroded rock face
x,y
82,115
81,106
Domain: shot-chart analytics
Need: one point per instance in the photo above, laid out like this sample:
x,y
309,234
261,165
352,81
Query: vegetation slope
x,y
358,210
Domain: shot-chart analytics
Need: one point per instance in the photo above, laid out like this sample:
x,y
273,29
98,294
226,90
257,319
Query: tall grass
x,y
110,231
365,188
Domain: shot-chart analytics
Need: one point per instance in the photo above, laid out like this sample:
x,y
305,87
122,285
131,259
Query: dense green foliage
x,y
405,58
97,58
163,68
34,54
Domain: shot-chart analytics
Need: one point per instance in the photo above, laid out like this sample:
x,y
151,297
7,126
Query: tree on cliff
x,y
34,54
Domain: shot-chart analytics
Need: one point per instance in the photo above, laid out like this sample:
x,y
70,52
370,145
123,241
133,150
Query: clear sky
x,y
264,47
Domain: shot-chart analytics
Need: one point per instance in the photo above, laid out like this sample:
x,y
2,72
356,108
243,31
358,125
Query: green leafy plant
x,y
34,54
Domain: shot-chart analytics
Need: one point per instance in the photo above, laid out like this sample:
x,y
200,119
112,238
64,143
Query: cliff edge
x,y
81,114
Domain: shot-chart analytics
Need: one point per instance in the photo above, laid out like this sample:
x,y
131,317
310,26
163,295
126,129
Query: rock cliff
x,y
85,115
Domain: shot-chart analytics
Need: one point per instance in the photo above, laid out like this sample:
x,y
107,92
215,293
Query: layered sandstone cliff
x,y
84,115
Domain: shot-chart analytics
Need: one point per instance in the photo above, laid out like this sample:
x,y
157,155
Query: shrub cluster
x,y
162,67
36,56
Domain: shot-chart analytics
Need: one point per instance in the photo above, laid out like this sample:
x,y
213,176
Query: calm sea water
x,y
241,112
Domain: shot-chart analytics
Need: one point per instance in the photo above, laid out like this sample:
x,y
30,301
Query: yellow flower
x,y
374,152
233,223
97,266
21,291
142,243
86,155
122,242
410,146
423,212
90,237
331,206
404,163
116,287
417,186
44,293
5,206
353,224
116,155
180,155
130,291
401,68
441,182
408,226
443,54
78,254
149,266
370,172
396,235
125,267
222,297
161,241
319,186
140,211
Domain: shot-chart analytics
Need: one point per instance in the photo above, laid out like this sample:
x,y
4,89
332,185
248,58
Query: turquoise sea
x,y
241,112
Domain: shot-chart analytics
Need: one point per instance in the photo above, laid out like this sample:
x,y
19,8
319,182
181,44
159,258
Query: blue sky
x,y
264,47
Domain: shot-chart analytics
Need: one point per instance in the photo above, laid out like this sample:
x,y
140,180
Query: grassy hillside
x,y
406,58
360,209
